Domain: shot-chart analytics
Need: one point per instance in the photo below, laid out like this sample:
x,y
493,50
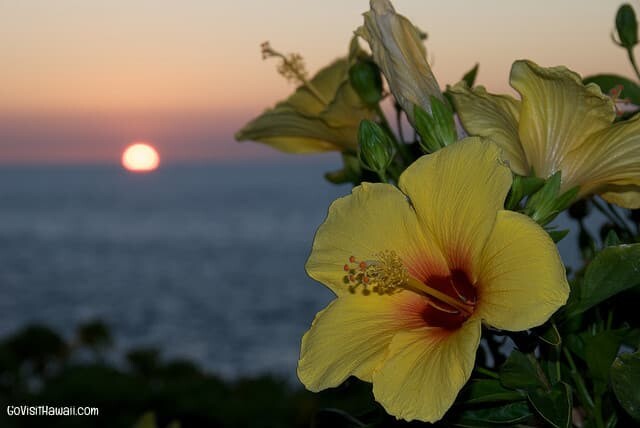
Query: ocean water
x,y
204,262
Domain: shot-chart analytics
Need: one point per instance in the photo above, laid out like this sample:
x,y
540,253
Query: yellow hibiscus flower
x,y
559,125
416,271
323,113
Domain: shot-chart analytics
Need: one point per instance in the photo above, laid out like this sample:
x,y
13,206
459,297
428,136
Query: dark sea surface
x,y
205,262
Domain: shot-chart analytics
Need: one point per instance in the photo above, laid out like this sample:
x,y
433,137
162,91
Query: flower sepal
x,y
521,188
544,205
436,129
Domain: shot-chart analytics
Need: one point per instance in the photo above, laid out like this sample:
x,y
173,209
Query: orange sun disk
x,y
140,157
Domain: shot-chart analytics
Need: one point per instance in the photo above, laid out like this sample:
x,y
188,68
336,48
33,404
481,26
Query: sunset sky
x,y
82,79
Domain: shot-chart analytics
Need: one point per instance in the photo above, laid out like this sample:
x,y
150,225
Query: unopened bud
x,y
627,26
365,79
376,150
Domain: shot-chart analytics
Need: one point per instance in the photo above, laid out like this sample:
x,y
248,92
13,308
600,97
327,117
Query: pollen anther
x,y
386,274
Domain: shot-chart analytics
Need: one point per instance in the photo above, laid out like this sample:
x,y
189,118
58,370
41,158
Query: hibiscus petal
x,y
609,162
374,218
287,130
624,196
522,280
558,113
351,335
457,192
424,371
494,117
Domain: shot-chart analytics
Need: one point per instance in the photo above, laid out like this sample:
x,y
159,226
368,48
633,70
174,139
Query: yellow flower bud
x,y
398,50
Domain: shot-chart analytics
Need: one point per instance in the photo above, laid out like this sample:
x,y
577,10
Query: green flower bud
x,y
365,78
436,129
627,26
375,148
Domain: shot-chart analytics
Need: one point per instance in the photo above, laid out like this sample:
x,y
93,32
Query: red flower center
x,y
458,287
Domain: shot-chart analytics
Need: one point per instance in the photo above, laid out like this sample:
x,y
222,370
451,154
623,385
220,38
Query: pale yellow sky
x,y
127,59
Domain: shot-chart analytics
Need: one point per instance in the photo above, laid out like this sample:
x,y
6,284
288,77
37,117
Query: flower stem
x,y
598,412
632,59
539,371
581,388
488,373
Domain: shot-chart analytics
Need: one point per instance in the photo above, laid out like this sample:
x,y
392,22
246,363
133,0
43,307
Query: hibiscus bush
x,y
452,300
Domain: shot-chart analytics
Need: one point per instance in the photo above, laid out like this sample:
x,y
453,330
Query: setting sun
x,y
140,157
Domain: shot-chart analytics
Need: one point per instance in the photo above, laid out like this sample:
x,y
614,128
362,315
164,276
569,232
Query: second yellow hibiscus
x,y
559,125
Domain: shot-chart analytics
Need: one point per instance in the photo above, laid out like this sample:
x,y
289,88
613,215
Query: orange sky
x,y
81,79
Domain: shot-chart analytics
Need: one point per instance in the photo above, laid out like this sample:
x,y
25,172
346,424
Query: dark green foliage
x,y
612,271
94,335
38,367
625,377
366,80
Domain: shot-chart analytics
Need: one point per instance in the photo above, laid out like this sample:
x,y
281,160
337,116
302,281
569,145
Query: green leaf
x,y
575,343
553,405
509,414
612,239
599,352
488,391
625,378
470,76
551,335
630,336
558,235
607,82
518,372
613,270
